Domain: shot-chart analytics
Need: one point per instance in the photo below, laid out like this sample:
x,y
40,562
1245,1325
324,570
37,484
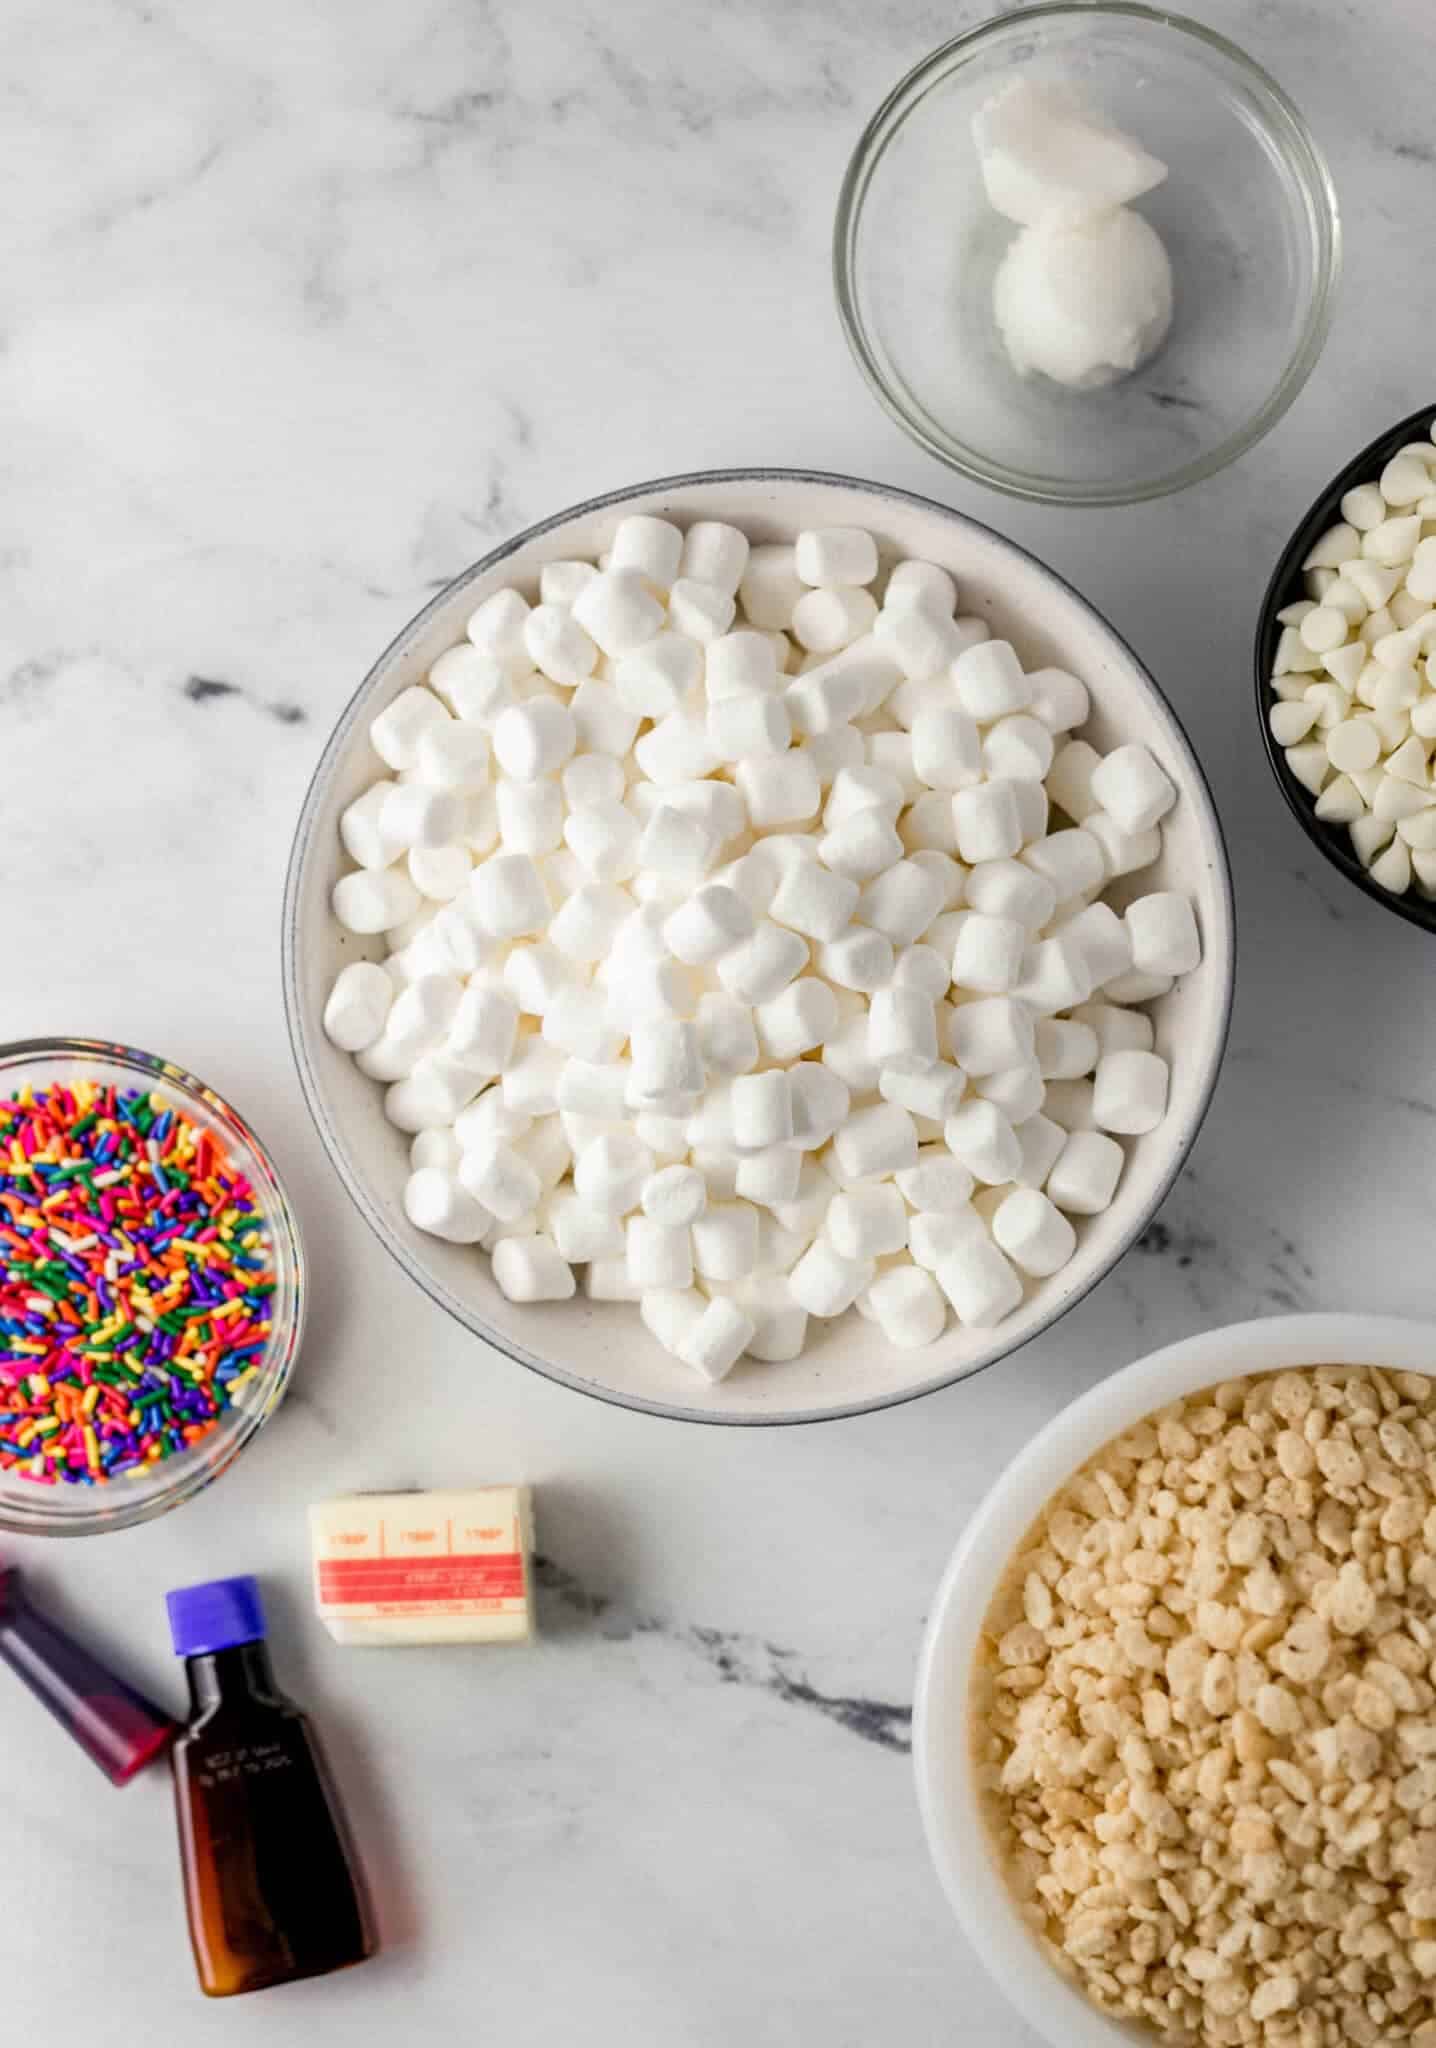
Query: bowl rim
x,y
17,1517
1331,840
957,1842
1196,785
1301,150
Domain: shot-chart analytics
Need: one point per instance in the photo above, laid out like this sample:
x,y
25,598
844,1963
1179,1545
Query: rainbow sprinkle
x,y
135,1283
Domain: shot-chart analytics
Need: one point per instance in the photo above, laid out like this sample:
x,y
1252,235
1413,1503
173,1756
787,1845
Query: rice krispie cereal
x,y
1203,1716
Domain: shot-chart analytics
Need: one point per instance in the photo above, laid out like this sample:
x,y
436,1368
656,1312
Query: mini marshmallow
x,y
740,664
558,646
980,1284
901,902
499,1177
859,959
435,1202
618,611
435,1092
982,1139
714,553
611,1280
923,967
561,582
1069,780
611,1172
1103,940
604,838
534,738
578,1021
921,584
908,1307
928,1088
673,843
890,752
1032,808
762,1110
989,824
846,1053
701,610
826,620
740,728
1008,888
1129,1092
675,1196
770,1176
531,1078
1065,1050
490,1119
713,921
1035,1235
365,838
1071,861
658,677
820,1103
719,1168
358,1006
396,732
812,900
825,1283
1069,1103
582,1233
506,895
373,900
764,964
484,1028
676,749
991,1035
1116,1029
902,1025
947,748
928,824
1017,1091
603,722
658,1254
797,1020
1059,700
1041,1142
867,1222
1132,788
780,1325
727,1036
938,1182
1055,976
1122,852
825,697
988,953
1163,934
496,627
668,1316
530,816
1083,1178
829,555
584,926
439,873
859,789
921,639
881,1139
861,846
652,548
590,1089
547,1150
780,789
436,1146
534,975
666,1059
770,586
725,1240
530,1269
717,1338
990,682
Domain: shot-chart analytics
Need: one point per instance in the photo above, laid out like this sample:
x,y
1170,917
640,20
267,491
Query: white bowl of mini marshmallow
x,y
758,947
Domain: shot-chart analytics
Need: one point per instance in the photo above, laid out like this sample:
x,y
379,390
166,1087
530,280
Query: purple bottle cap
x,y
216,1615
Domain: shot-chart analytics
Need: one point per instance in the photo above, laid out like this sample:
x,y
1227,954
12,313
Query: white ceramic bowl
x,y
945,1787
603,1349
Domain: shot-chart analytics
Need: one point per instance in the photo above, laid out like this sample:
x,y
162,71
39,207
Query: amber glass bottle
x,y
272,1887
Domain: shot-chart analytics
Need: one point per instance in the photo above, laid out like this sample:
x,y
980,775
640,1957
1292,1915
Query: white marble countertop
x,y
301,309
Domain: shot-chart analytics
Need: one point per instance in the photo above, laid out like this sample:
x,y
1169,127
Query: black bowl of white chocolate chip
x,y
1346,670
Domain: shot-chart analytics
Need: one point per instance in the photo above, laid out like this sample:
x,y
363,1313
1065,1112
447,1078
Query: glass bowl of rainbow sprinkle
x,y
151,1286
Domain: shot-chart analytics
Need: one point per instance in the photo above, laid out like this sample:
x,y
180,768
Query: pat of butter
x,y
396,1568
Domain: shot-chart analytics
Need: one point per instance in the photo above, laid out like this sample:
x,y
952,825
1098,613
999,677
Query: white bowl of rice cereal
x,y
1175,1727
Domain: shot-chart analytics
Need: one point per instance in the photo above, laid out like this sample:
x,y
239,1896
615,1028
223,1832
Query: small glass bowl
x,y
31,1509
1248,214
